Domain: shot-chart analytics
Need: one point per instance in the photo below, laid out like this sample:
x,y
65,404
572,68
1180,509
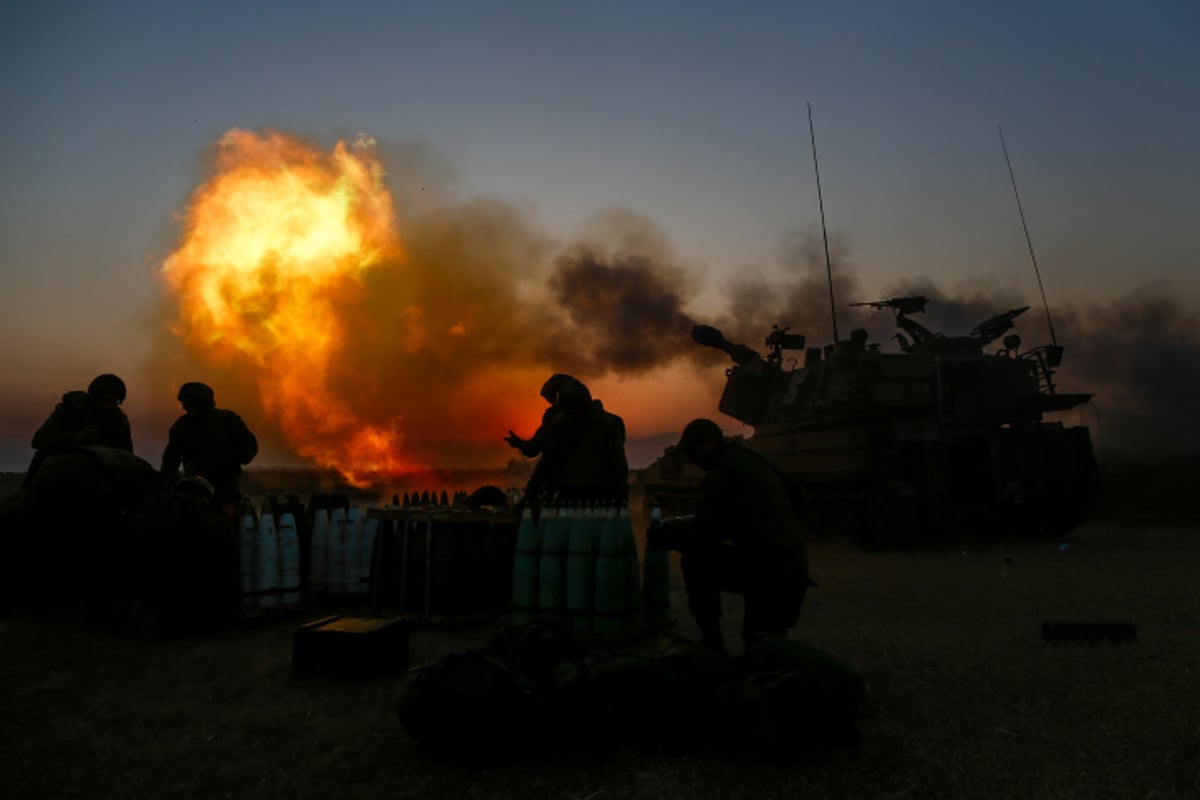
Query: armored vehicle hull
x,y
892,445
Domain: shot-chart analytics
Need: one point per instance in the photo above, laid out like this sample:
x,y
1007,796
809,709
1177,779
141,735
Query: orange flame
x,y
273,247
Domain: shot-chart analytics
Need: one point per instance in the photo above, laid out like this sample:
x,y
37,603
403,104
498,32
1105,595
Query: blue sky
x,y
692,114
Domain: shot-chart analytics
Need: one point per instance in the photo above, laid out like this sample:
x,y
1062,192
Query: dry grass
x,y
965,698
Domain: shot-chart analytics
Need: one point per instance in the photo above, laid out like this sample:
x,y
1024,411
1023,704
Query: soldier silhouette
x,y
209,442
551,389
91,417
582,448
745,537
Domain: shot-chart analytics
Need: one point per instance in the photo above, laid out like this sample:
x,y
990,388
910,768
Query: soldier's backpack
x,y
844,685
610,698
535,650
795,696
470,703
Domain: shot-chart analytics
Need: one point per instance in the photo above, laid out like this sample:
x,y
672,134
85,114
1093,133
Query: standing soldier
x,y
212,443
551,389
583,451
93,417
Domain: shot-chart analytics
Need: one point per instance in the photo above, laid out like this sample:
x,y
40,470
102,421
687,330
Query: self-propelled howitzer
x,y
949,432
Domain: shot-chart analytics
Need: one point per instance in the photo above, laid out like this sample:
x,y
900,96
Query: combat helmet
x,y
107,386
199,395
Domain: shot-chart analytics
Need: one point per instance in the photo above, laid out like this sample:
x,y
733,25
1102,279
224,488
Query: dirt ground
x,y
965,698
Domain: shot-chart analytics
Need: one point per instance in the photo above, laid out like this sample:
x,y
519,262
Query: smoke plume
x,y
1140,355
798,298
626,299
434,340
385,330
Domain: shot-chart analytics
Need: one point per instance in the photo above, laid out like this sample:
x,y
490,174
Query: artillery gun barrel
x,y
709,336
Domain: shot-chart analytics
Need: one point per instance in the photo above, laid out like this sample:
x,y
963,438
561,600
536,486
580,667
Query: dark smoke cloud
x,y
1140,355
798,300
483,308
624,291
630,315
440,340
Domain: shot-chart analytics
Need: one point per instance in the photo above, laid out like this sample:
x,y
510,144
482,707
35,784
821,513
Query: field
x,y
965,698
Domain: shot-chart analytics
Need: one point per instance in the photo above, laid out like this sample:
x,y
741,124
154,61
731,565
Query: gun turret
x,y
992,328
901,305
780,339
709,336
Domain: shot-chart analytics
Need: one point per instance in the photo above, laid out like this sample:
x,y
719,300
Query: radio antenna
x,y
1028,241
824,235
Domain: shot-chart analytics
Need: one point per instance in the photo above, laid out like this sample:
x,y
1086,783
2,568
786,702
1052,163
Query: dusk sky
x,y
690,115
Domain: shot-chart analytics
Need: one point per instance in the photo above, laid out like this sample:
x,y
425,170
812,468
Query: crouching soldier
x,y
745,537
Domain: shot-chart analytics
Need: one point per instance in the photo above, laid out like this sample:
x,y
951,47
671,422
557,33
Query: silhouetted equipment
x,y
780,339
943,433
536,685
901,305
440,564
711,337
990,329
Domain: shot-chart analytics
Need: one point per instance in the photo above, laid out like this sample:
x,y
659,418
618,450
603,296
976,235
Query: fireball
x,y
274,251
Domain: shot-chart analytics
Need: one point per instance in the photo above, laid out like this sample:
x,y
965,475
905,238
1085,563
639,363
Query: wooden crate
x,y
350,646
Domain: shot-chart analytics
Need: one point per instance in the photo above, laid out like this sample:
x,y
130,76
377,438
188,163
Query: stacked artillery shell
x,y
656,578
525,570
319,561
581,568
609,595
289,558
247,539
554,528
